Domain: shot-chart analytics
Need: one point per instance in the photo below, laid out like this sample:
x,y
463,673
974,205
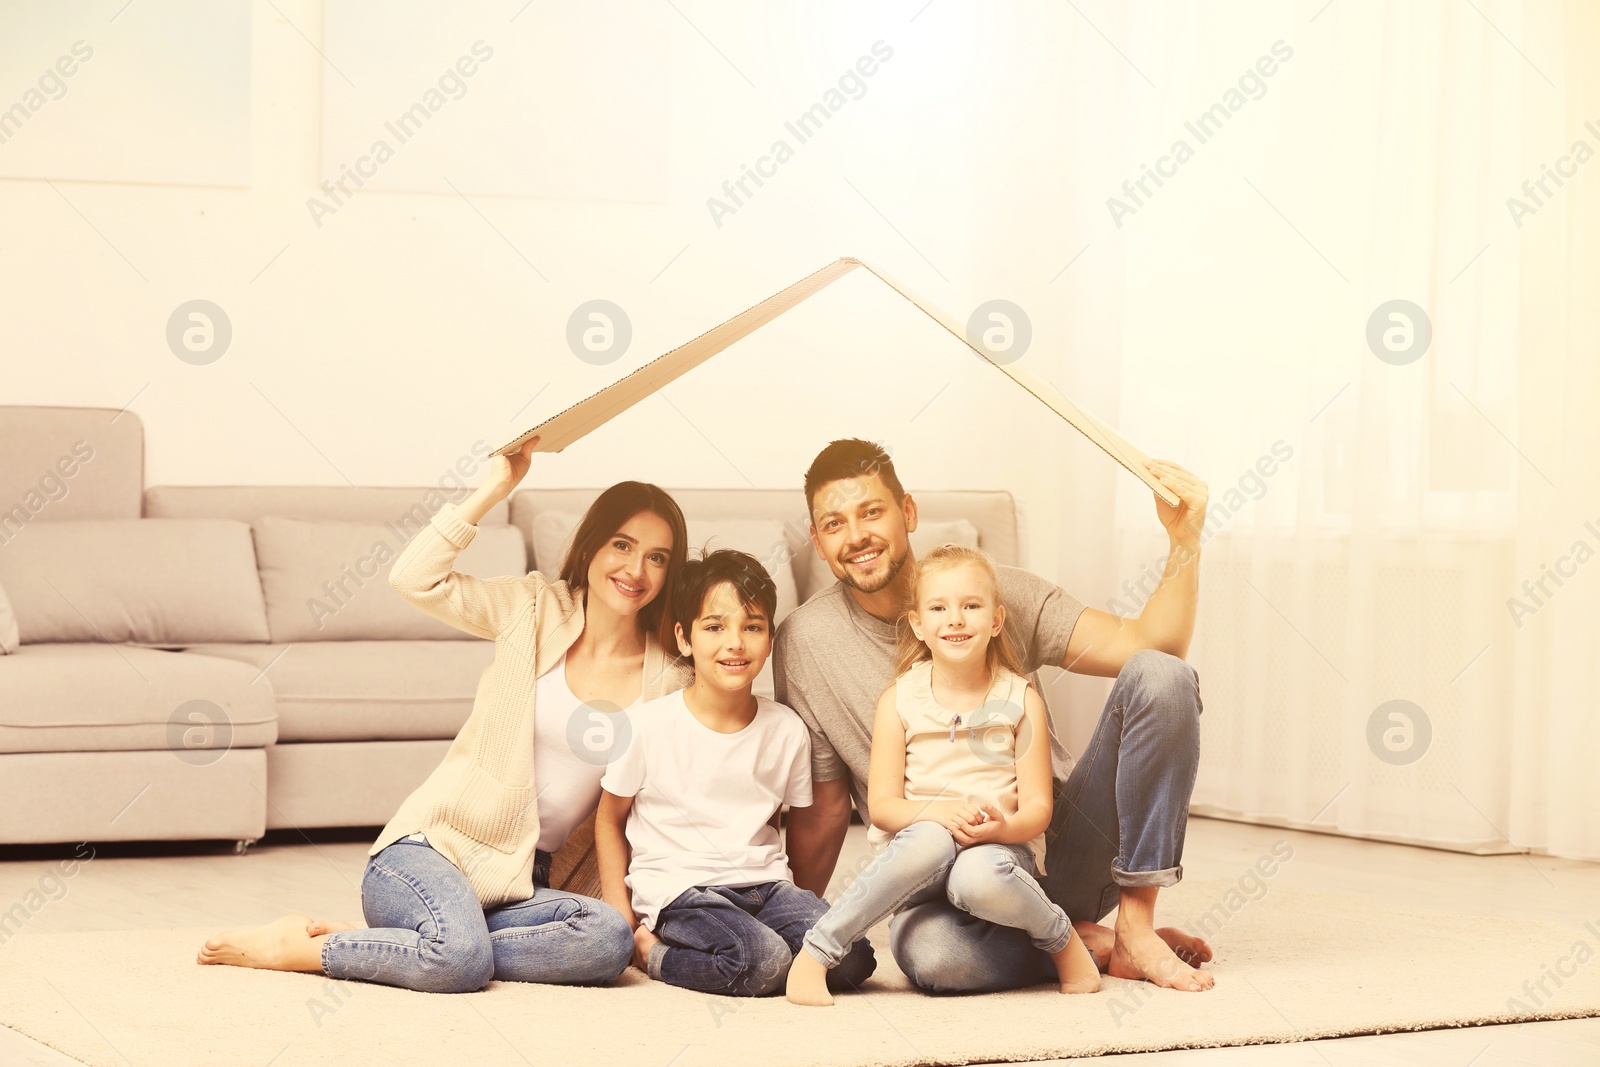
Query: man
x,y
1120,814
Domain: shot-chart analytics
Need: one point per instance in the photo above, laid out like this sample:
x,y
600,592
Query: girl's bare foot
x,y
1076,967
808,981
318,927
1141,953
283,945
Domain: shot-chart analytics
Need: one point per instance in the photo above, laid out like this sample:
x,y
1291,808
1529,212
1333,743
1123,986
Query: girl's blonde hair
x,y
1001,651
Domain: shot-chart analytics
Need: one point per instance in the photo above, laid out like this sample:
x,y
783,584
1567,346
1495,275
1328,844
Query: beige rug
x,y
1290,966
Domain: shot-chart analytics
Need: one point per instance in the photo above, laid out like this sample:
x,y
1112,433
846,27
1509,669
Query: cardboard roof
x,y
559,431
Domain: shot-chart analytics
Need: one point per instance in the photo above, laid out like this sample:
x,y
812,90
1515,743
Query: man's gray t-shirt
x,y
832,661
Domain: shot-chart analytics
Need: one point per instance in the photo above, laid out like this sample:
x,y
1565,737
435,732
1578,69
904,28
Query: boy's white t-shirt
x,y
702,800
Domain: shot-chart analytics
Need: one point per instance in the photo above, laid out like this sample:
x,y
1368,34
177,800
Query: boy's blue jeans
x,y
1118,822
429,933
740,940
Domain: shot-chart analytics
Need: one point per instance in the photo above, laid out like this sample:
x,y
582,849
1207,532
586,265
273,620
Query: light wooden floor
x,y
162,886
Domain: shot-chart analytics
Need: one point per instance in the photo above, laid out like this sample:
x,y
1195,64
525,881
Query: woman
x,y
457,887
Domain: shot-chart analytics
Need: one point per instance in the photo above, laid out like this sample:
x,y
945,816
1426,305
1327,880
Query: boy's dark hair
x,y
749,578
850,458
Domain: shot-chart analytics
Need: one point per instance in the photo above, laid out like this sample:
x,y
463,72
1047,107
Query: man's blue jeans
x,y
1119,820
739,941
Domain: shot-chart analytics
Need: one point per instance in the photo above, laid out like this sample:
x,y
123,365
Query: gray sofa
x,y
213,662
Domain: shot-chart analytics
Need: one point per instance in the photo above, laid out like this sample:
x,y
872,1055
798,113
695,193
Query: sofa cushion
x,y
329,581
8,625
95,697
68,463
366,690
926,537
761,538
151,581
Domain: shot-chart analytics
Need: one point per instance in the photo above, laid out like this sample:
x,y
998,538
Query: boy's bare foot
x,y
1142,953
318,927
808,981
644,939
283,945
1186,947
1076,967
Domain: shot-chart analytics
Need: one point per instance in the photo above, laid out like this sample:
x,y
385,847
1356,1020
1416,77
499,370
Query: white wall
x,y
377,347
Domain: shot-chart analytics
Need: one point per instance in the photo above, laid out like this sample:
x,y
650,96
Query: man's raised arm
x,y
1101,642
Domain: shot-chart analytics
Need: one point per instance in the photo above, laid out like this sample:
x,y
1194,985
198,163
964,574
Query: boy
x,y
695,796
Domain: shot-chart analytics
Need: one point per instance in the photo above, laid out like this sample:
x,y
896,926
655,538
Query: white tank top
x,y
968,755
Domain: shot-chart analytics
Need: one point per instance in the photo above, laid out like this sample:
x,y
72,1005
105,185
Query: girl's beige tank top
x,y
969,755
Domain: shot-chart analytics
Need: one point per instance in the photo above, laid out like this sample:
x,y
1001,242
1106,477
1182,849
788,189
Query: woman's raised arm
x,y
424,573
505,472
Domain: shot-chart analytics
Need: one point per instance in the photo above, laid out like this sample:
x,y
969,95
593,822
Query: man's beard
x,y
889,575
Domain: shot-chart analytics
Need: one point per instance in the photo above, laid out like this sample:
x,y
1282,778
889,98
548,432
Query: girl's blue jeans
x,y
923,863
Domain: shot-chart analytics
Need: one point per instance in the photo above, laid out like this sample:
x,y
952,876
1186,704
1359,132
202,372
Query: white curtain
x,y
1370,657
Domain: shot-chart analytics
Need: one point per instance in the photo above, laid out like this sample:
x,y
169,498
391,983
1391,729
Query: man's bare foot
x,y
1186,947
1098,940
283,945
1076,967
1141,953
318,927
808,981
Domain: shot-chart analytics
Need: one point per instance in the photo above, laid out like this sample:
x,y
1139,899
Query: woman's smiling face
x,y
630,569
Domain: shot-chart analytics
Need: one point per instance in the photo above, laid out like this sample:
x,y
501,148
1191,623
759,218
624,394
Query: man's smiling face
x,y
862,530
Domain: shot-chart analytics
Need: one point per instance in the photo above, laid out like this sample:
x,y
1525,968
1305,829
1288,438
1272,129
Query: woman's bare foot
x,y
1142,953
1186,947
283,945
318,927
808,981
1076,966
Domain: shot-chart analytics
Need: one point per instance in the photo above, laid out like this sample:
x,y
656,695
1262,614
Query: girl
x,y
960,778
457,887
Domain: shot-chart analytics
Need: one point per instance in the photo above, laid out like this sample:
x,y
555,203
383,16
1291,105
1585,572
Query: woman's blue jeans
x,y
429,933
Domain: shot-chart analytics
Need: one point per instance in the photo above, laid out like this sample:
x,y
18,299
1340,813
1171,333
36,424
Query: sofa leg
x,y
242,844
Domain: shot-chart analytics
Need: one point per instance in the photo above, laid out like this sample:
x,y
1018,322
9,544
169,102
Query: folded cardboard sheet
x,y
559,431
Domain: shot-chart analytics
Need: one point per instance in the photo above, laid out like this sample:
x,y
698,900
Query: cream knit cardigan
x,y
478,808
